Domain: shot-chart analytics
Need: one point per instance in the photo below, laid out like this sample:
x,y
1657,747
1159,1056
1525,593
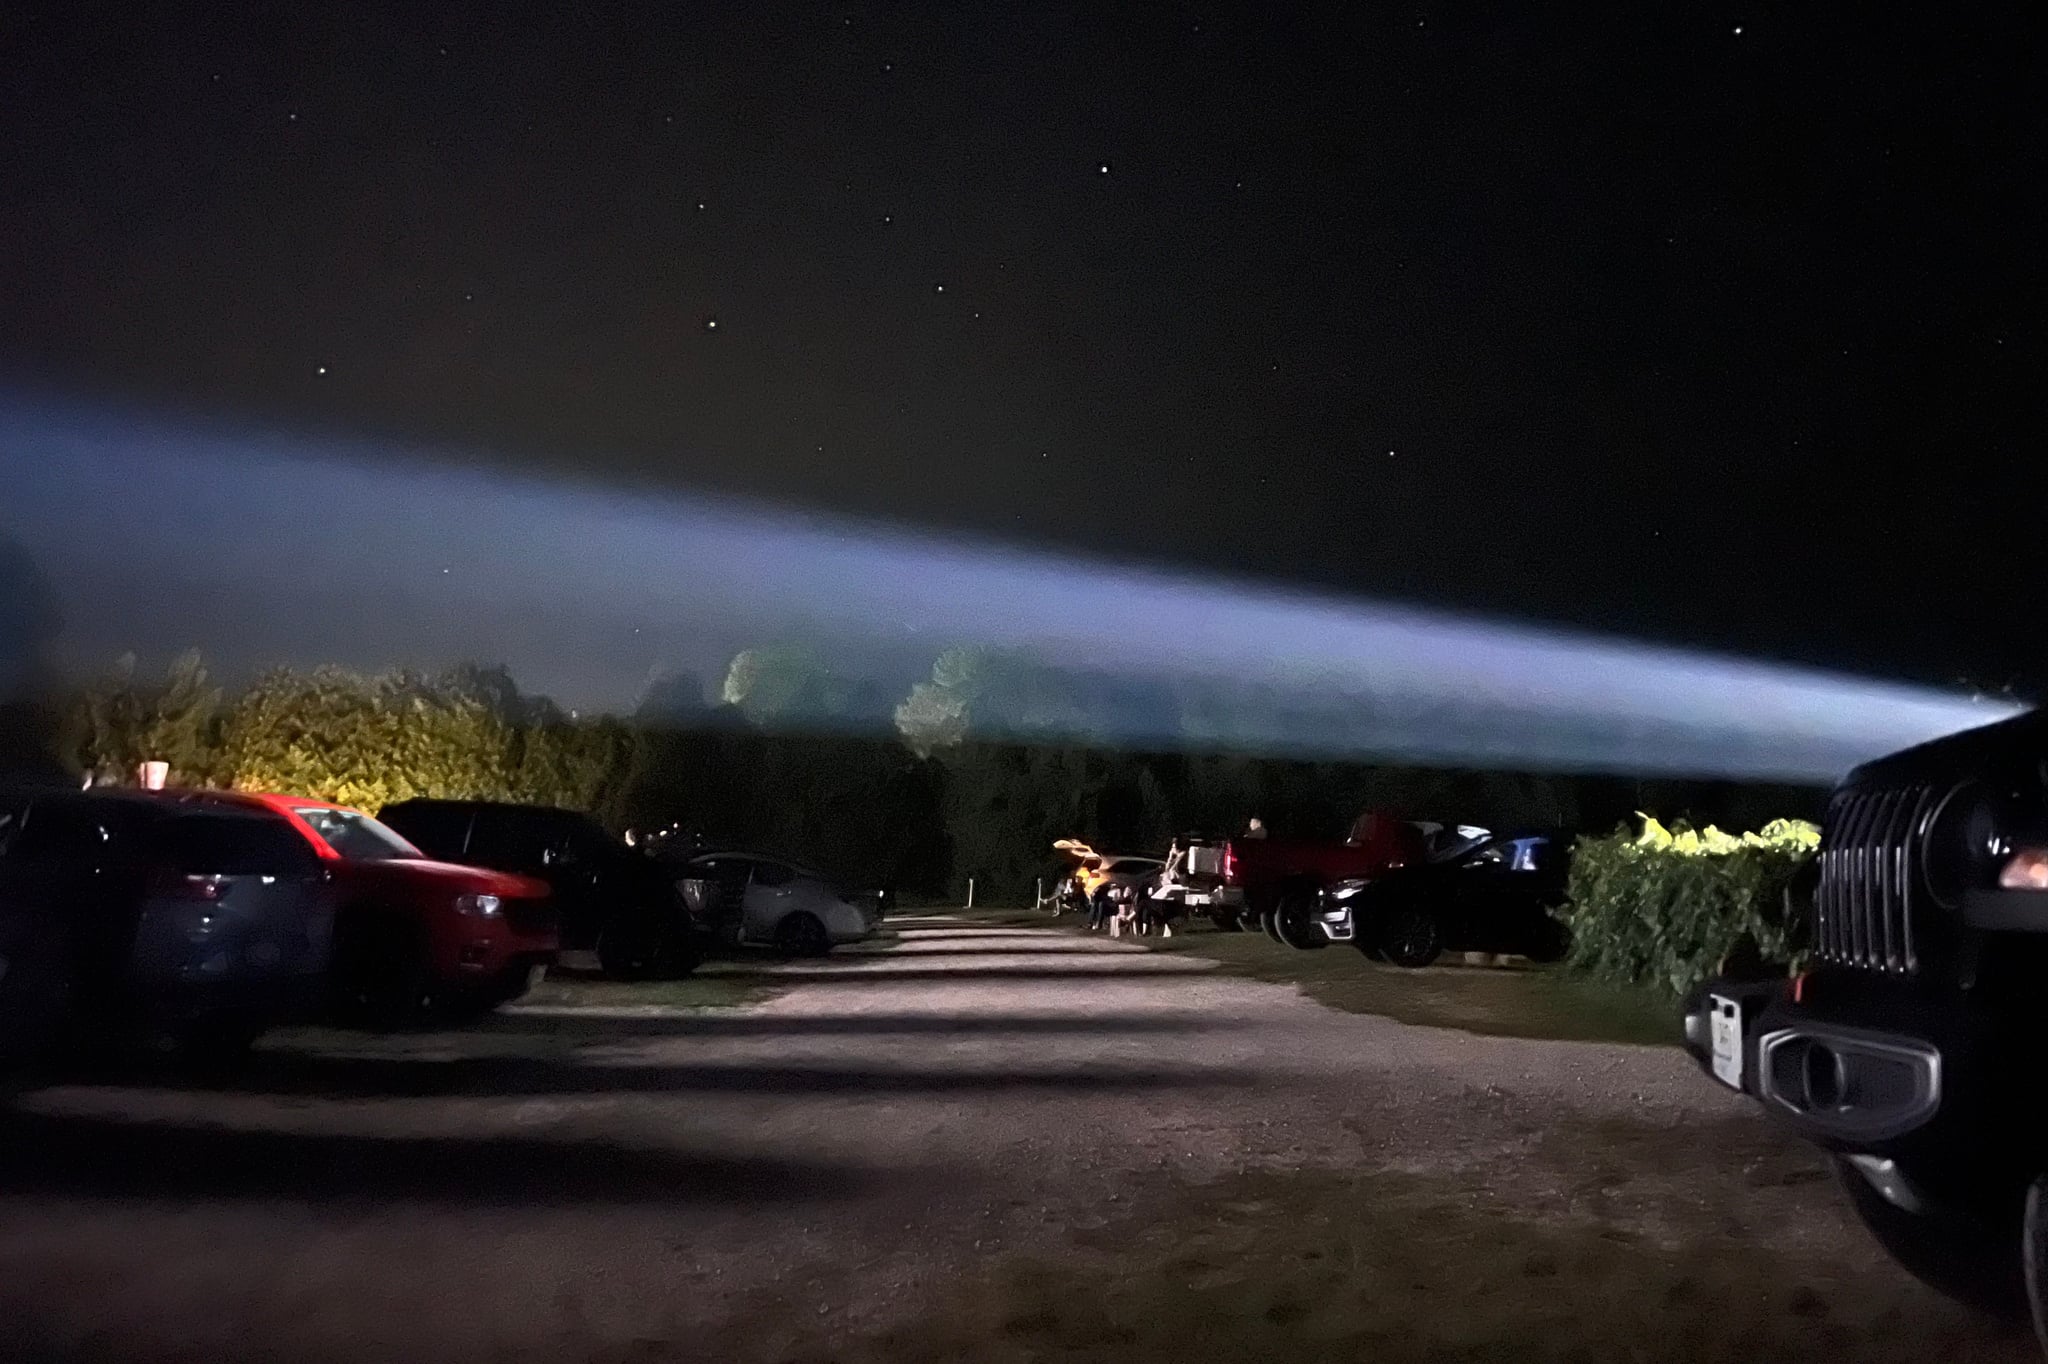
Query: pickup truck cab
x,y
1910,1051
1279,883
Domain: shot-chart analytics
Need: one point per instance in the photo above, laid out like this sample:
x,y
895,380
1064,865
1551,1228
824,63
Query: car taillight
x,y
1230,862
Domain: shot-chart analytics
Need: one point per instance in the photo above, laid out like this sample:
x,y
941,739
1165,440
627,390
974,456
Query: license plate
x,y
1724,1027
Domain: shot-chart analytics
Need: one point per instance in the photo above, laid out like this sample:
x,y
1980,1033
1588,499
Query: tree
x,y
791,686
363,741
29,622
996,694
122,722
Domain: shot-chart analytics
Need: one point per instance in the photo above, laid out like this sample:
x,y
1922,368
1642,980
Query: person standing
x,y
1255,829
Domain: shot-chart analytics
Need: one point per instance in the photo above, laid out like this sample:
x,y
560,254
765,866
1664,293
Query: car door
x,y
1479,888
771,893
715,888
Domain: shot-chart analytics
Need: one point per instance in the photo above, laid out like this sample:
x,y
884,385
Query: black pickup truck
x,y
1910,1050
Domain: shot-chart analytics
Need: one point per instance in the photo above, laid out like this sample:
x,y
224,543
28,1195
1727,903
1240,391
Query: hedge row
x,y
1664,907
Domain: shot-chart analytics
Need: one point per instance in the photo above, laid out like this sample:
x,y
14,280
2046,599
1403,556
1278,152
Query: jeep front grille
x,y
1870,878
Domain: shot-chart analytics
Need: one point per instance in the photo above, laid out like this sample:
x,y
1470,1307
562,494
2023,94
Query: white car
x,y
752,899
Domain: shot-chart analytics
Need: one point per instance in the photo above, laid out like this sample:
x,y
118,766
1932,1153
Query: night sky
x,y
1704,323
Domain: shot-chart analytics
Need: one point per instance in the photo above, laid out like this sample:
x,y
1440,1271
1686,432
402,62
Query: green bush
x,y
1664,907
362,741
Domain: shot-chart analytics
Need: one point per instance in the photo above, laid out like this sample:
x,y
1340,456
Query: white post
x,y
1038,893
970,892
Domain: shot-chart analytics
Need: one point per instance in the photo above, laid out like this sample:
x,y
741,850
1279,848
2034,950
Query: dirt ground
x,y
983,1142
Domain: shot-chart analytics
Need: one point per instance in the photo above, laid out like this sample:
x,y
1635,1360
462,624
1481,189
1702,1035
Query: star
x,y
1103,168
321,370
886,220
291,118
939,288
711,324
1738,30
700,208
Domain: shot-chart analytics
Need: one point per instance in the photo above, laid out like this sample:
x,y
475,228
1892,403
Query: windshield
x,y
354,836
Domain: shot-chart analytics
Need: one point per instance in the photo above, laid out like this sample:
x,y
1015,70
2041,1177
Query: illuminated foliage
x,y
1665,907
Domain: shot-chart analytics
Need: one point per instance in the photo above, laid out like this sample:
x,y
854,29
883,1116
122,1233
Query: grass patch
x,y
1503,1001
1514,1000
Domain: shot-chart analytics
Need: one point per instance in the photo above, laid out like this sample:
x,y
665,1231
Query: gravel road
x,y
629,1184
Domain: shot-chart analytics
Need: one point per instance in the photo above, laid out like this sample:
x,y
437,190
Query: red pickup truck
x,y
1277,882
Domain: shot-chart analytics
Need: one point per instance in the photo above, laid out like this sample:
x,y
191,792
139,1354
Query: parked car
x,y
1278,883
611,899
1440,842
1095,872
1909,1051
124,917
1494,896
746,899
413,936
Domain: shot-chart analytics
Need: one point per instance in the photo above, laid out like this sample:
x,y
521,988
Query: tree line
x,y
989,763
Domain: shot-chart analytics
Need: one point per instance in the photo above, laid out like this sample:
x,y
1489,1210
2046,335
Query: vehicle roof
x,y
747,855
446,803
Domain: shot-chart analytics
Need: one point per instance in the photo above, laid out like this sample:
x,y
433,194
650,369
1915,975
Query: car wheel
x,y
1410,937
682,954
218,1043
624,951
801,935
386,979
1983,1262
1294,922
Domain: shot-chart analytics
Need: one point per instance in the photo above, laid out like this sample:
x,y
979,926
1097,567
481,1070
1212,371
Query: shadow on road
x,y
76,1156
292,1073
1119,966
599,1027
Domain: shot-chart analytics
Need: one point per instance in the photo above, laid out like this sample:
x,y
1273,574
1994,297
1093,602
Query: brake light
x,y
1230,861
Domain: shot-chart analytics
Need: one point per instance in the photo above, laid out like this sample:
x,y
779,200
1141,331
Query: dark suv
x,y
1909,1050
611,899
124,916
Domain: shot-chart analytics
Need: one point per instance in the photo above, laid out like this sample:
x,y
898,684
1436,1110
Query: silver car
x,y
754,900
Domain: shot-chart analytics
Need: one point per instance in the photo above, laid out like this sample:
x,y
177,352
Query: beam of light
x,y
268,546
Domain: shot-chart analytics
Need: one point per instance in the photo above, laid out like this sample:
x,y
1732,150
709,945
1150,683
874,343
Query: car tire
x,y
1294,922
385,975
625,952
1410,937
800,934
1979,1260
682,954
218,1043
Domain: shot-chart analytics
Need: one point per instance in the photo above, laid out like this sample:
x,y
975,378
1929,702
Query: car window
x,y
1492,857
436,830
516,840
354,835
65,831
233,845
773,874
